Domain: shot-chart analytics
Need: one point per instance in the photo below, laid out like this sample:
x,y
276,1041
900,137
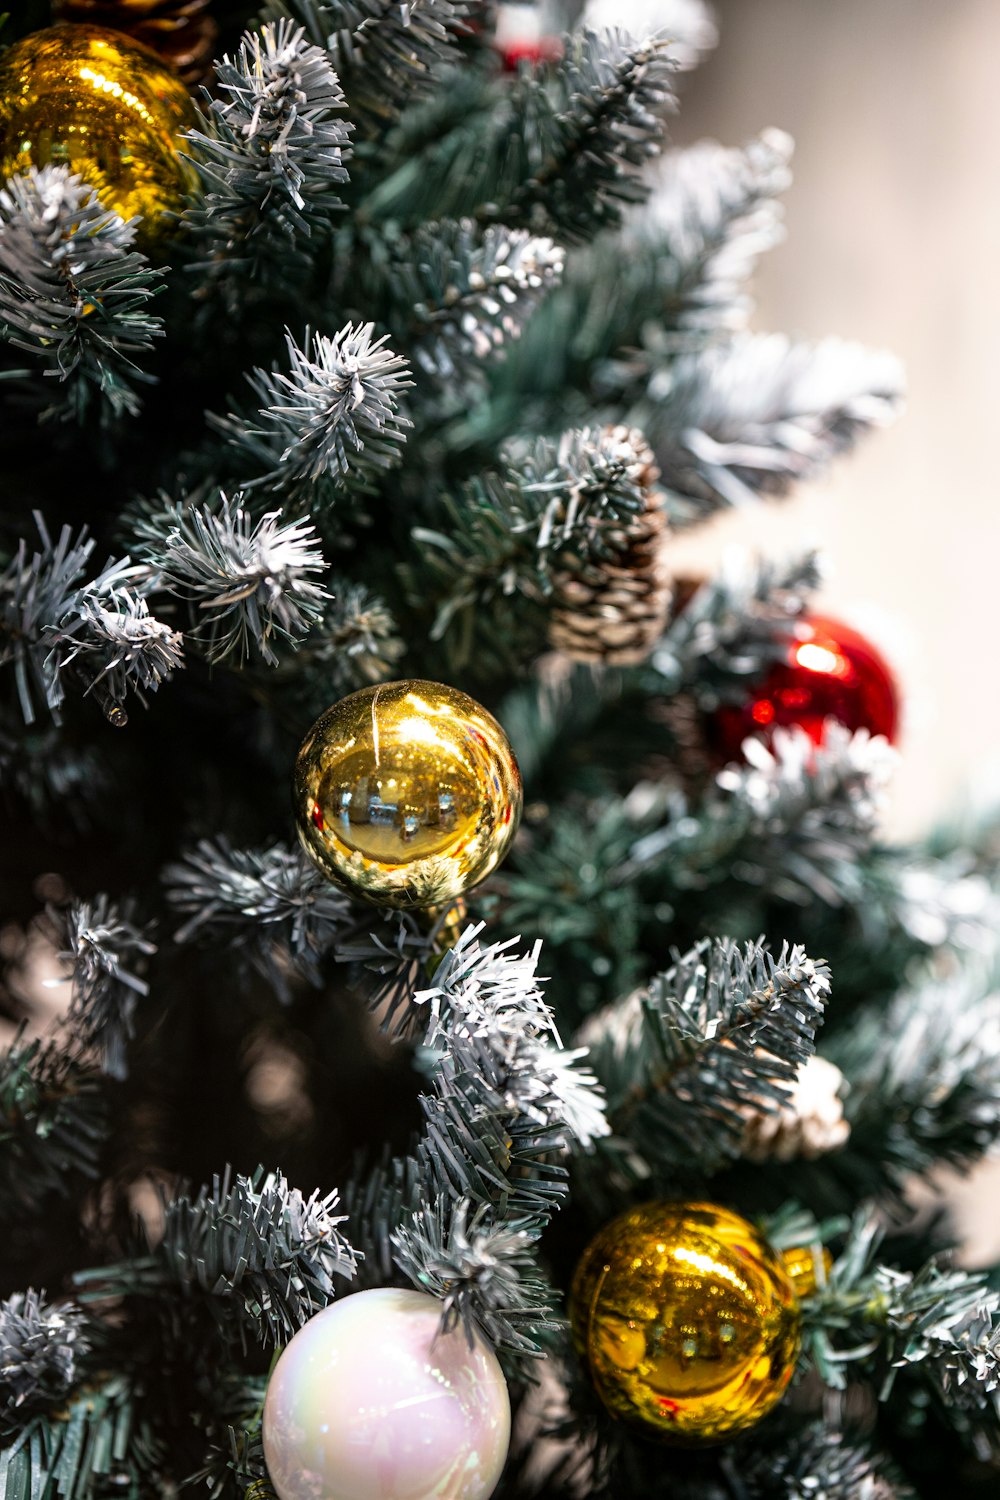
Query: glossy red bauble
x,y
831,672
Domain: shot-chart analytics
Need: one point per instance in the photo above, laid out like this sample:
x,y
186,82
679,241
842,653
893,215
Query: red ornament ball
x,y
830,672
520,35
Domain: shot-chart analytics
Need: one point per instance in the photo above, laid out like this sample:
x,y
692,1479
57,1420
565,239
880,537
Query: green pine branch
x,y
733,629
793,818
936,1326
249,583
279,916
266,1257
53,1123
462,1213
258,1256
689,1057
604,872
271,906
749,418
356,641
485,1274
74,293
567,884
924,1079
93,1444
331,425
272,154
499,542
592,123
385,54
815,1461
712,212
675,280
557,152
459,295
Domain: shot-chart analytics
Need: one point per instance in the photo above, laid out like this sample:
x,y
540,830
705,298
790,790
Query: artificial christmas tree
x,y
443,358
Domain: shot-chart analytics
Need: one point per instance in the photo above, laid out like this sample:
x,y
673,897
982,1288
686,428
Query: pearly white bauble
x,y
370,1402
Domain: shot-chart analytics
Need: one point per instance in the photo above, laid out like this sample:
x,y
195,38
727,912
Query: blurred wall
x,y
893,239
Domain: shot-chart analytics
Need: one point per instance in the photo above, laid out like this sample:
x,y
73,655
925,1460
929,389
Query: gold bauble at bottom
x,y
104,106
407,793
687,1320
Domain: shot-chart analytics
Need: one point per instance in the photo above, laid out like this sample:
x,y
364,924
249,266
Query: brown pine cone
x,y
684,760
809,1123
180,31
614,609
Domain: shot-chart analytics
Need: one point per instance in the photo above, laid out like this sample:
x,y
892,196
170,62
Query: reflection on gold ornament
x,y
104,106
687,1320
407,793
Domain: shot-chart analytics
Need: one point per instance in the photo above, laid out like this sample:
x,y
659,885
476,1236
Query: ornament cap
x,y
808,1266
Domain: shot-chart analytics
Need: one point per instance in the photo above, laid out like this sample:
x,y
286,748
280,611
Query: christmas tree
x,y
397,347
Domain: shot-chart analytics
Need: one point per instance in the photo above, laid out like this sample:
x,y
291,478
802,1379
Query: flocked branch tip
x,y
41,1344
56,627
717,1038
266,1257
107,952
250,583
274,148
334,417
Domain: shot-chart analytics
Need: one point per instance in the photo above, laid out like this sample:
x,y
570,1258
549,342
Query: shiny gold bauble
x,y
104,106
687,1320
407,793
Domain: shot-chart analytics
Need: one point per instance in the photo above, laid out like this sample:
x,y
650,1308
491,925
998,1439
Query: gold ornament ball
x,y
687,1319
407,793
106,107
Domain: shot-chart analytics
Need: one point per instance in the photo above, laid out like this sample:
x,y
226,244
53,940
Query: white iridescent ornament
x,y
369,1401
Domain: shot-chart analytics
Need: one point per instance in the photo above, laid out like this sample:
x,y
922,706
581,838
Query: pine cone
x,y
615,608
684,759
809,1124
179,31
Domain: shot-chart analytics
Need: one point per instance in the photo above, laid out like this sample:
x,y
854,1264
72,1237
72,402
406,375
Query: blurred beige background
x,y
893,239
